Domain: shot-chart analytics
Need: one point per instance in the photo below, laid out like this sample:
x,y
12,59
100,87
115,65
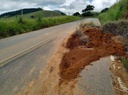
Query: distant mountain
x,y
19,12
32,13
58,11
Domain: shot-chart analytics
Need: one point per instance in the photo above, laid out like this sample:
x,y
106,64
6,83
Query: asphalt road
x,y
97,78
22,57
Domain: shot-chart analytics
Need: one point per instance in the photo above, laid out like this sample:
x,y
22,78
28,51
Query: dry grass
x,y
117,28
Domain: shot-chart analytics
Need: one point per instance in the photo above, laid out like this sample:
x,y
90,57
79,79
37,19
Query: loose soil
x,y
99,45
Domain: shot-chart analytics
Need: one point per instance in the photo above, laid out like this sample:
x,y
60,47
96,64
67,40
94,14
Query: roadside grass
x,y
115,12
18,26
125,62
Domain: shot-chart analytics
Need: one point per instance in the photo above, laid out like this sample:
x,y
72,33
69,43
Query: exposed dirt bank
x,y
81,54
82,48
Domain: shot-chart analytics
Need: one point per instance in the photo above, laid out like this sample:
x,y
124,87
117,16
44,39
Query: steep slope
x,y
115,12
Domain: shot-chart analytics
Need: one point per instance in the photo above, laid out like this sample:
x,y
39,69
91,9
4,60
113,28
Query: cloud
x,y
67,6
9,5
81,4
74,6
101,4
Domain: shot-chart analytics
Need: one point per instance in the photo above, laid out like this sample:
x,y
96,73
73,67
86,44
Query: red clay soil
x,y
100,45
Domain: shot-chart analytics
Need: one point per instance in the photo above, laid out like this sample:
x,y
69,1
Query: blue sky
x,y
67,6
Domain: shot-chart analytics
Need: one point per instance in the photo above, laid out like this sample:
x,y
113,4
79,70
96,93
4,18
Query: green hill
x,y
42,13
115,12
31,13
19,12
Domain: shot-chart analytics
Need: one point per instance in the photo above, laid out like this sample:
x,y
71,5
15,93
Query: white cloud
x,y
46,8
101,4
67,6
68,2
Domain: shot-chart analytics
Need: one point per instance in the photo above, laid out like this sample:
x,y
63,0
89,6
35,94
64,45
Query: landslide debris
x,y
94,45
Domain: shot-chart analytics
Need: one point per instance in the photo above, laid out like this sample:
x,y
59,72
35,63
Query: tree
x,y
76,14
104,10
87,10
63,13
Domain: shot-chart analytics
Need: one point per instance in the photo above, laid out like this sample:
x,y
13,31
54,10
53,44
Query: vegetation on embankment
x,y
125,62
20,25
112,23
120,29
115,12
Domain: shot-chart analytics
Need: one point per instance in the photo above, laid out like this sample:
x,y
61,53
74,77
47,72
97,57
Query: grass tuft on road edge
x,y
125,62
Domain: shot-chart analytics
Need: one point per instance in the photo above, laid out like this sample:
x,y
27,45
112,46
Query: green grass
x,y
115,12
125,62
18,26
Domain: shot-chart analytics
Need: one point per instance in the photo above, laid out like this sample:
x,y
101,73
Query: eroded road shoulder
x,y
74,73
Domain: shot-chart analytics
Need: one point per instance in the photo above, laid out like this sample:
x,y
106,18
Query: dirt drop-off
x,y
99,45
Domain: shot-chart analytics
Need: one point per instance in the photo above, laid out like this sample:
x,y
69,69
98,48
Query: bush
x,y
84,39
117,28
20,20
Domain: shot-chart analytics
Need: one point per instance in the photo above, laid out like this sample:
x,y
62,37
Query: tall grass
x,y
19,26
115,12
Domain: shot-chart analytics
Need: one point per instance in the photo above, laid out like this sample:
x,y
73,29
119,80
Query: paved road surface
x,y
13,46
20,59
97,78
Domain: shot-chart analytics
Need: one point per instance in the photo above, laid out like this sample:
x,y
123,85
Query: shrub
x,y
78,32
20,20
117,28
84,39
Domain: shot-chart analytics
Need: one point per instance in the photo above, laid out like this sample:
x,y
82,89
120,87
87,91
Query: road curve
x,y
13,47
22,57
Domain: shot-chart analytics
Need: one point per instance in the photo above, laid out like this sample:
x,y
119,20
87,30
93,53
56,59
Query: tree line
x,y
88,11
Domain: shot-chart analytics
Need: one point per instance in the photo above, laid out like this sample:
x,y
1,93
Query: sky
x,y
66,6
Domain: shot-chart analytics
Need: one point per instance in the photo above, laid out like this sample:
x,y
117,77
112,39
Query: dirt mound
x,y
99,45
73,41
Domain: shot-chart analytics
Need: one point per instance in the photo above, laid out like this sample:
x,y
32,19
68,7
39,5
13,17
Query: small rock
x,y
118,67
